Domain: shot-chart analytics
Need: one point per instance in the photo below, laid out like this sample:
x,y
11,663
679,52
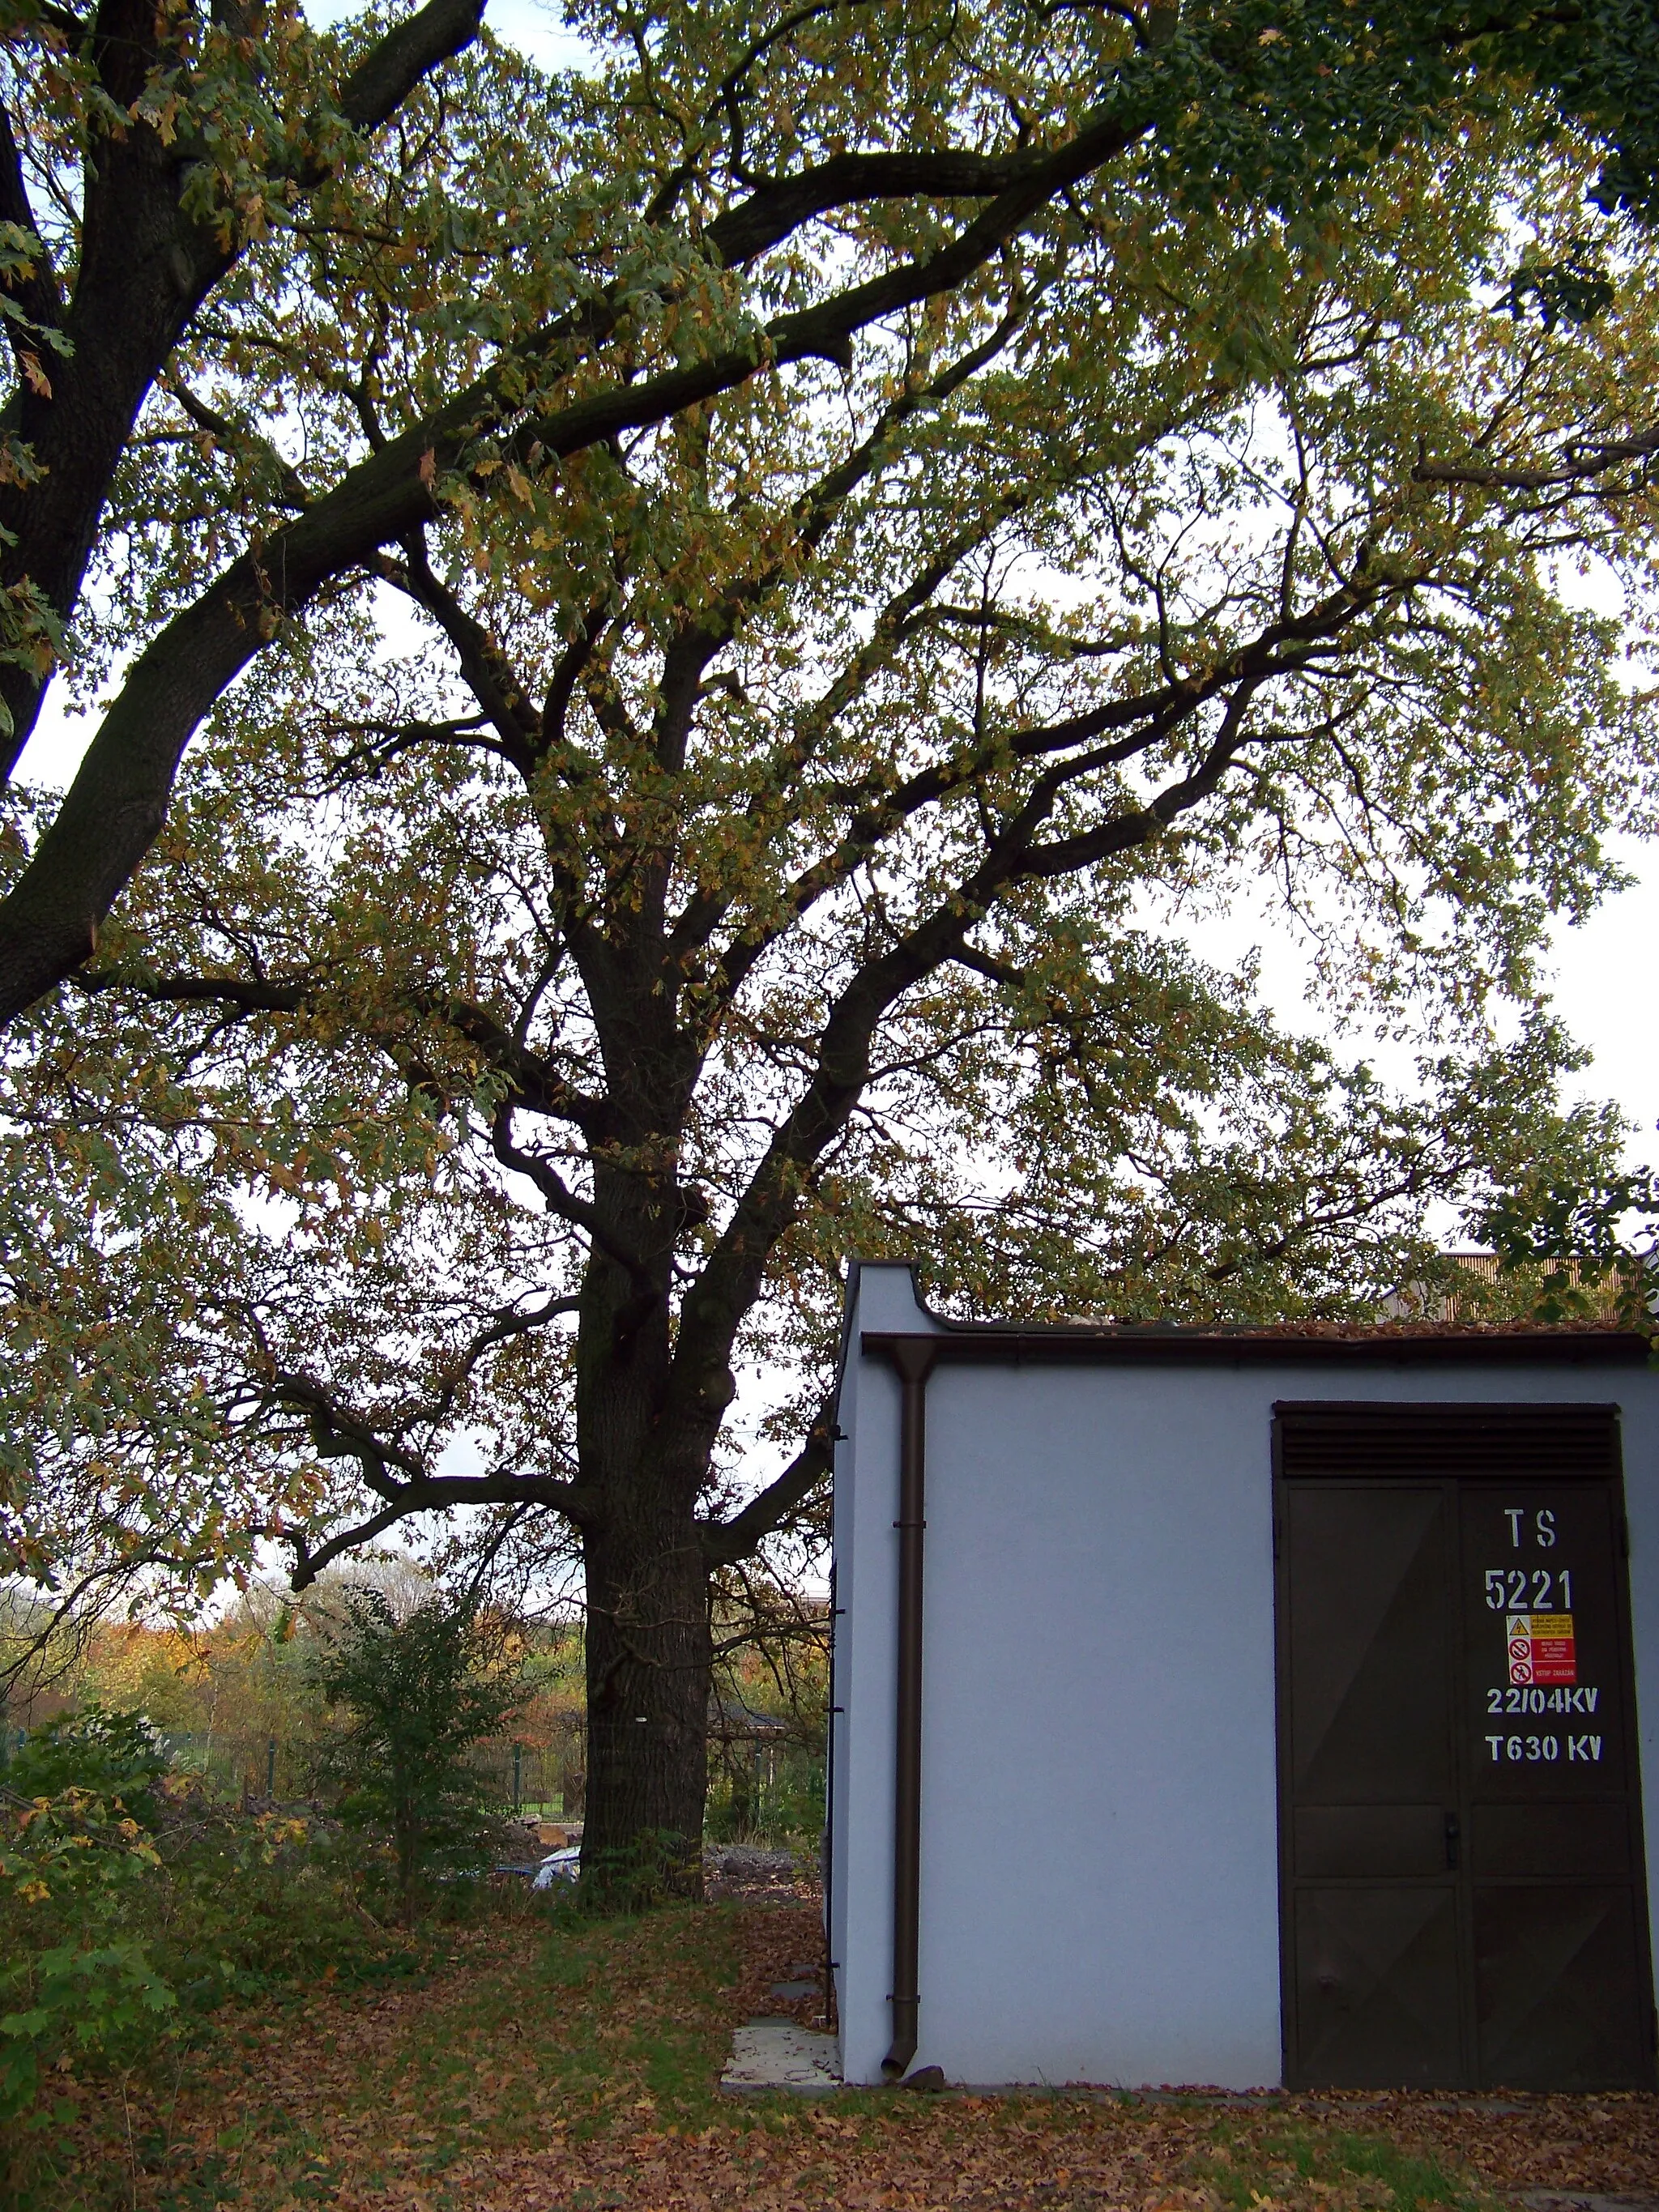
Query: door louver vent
x,y
1370,1439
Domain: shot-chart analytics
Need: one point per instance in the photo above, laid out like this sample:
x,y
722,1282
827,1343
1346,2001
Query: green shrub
x,y
118,1941
104,2005
250,1906
787,1808
111,1754
654,1868
416,1696
79,1989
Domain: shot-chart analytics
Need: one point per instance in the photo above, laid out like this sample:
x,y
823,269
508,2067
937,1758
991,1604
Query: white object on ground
x,y
559,1866
778,2054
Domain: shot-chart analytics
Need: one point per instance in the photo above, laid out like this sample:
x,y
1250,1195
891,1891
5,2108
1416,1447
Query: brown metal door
x,y
1368,1704
1561,2000
1463,1901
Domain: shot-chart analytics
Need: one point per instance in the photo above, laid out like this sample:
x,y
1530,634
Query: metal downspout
x,y
827,1850
913,1361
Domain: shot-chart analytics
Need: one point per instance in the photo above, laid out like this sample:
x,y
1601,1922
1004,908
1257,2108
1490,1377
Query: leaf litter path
x,y
573,2069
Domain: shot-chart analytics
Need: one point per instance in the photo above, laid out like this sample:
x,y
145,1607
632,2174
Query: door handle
x,y
1454,1841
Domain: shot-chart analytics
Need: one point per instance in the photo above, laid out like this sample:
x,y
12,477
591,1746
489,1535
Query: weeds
x,y
656,1867
1251,2168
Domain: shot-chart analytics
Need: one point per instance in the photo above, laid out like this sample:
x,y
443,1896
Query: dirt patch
x,y
745,1874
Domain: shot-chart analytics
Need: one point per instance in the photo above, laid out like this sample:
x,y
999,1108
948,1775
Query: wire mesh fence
x,y
546,1777
549,1778
766,1774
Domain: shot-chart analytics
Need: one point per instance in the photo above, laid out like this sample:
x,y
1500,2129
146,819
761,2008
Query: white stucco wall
x,y
1099,1870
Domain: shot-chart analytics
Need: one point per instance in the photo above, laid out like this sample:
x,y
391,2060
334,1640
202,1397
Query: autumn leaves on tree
x,y
763,579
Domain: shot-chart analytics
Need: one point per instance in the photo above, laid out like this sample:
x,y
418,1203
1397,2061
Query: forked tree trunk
x,y
648,1665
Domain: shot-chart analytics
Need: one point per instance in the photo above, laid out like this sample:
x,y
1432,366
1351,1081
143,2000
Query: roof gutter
x,y
913,1358
978,1344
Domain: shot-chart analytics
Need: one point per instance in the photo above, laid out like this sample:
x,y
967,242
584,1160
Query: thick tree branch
x,y
724,1542
408,53
146,264
37,293
1581,463
981,963
730,1281
338,1434
442,1494
536,1085
779,208
115,807
561,1199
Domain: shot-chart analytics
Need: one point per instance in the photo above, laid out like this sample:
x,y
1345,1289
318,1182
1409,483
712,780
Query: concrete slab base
x,y
777,2054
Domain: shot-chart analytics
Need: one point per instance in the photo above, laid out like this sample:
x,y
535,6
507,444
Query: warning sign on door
x,y
1542,1648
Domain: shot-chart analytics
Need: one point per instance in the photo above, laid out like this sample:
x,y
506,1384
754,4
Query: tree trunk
x,y
406,1836
648,1665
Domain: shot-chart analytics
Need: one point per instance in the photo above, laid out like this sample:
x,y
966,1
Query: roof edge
x,y
1160,1344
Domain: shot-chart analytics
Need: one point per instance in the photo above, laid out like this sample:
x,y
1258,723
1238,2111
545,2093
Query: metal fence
x,y
763,1772
547,1777
539,1778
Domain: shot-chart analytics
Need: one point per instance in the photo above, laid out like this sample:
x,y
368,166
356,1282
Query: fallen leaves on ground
x,y
573,2067
785,1944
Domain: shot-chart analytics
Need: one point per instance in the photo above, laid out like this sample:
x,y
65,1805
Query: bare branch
x,y
726,1542
487,673
1581,462
238,438
510,1323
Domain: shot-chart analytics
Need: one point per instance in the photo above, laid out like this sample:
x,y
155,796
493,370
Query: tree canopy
x,y
739,189
664,858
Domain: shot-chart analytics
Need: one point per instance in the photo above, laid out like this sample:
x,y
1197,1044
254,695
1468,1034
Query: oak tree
x,y
666,861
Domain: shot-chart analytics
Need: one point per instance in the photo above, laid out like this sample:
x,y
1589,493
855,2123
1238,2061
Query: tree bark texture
x,y
648,1662
648,1646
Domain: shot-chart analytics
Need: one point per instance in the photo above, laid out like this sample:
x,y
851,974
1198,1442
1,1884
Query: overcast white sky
x,y
1604,989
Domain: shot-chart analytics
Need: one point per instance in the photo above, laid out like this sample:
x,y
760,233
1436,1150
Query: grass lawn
x,y
537,2067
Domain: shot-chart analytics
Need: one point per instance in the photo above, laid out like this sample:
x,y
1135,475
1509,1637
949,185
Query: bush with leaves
x,y
655,1867
119,1938
83,1798
81,1991
416,1696
111,1754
